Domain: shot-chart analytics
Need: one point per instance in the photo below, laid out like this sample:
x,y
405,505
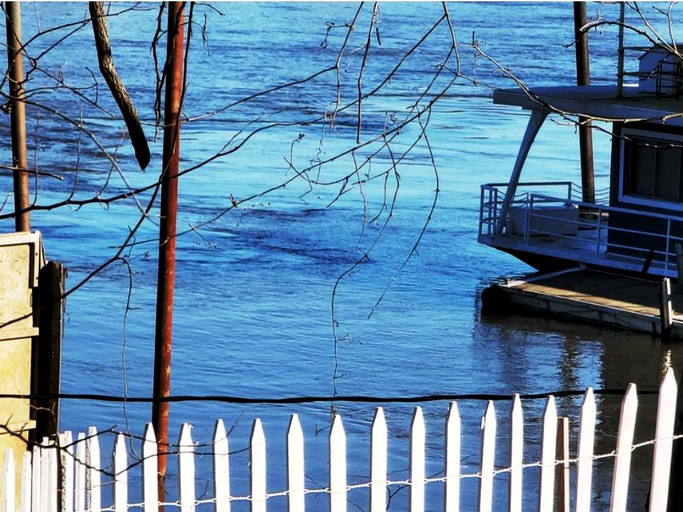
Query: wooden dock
x,y
593,296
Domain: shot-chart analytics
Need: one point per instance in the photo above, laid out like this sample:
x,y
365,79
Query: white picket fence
x,y
80,466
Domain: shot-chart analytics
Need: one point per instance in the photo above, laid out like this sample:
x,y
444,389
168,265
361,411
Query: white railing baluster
x,y
221,468
120,460
584,470
258,467
488,453
546,499
452,459
337,466
93,469
296,482
378,462
186,473
622,461
150,470
67,471
81,480
8,482
661,462
417,461
516,455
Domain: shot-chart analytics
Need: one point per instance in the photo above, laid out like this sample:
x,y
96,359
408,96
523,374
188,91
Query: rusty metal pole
x,y
167,232
15,72
585,126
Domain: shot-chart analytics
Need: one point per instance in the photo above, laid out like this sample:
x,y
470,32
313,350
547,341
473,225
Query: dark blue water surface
x,y
375,248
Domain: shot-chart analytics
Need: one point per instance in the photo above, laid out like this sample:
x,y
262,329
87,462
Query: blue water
x,y
254,285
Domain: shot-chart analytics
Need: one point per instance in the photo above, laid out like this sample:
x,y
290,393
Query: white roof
x,y
600,102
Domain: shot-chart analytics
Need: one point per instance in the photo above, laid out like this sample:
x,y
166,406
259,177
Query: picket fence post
x,y
337,458
80,480
8,482
36,503
546,499
258,467
378,462
93,471
452,459
67,470
488,454
661,461
221,468
516,455
417,461
622,461
584,469
186,473
150,470
296,482
26,481
120,460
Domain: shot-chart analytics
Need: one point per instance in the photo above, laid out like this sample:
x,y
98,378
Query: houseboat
x,y
636,231
551,226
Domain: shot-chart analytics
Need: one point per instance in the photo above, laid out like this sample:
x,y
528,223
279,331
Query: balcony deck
x,y
551,232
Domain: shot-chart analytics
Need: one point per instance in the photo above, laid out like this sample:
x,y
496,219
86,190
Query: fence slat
x,y
52,468
67,470
36,487
661,462
452,459
417,461
93,471
221,468
8,482
337,466
488,453
295,466
378,462
26,484
622,461
258,467
584,470
45,477
516,455
547,487
120,460
80,463
150,469
186,472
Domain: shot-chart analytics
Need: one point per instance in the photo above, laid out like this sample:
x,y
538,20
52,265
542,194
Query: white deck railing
x,y
82,479
573,229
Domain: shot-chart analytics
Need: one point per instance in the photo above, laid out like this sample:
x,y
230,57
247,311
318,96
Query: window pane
x,y
668,175
642,181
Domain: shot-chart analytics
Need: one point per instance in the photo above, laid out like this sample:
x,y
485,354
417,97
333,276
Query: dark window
x,y
653,168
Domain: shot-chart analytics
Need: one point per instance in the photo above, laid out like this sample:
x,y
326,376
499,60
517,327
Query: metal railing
x,y
635,237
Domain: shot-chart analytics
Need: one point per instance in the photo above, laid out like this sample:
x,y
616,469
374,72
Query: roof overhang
x,y
598,102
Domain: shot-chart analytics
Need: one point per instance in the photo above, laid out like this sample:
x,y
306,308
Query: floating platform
x,y
593,296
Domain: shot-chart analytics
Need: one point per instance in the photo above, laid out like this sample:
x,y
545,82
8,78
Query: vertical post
x,y
620,63
48,365
167,232
665,308
562,469
15,73
585,125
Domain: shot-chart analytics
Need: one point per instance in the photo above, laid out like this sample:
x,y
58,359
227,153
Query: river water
x,y
315,287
